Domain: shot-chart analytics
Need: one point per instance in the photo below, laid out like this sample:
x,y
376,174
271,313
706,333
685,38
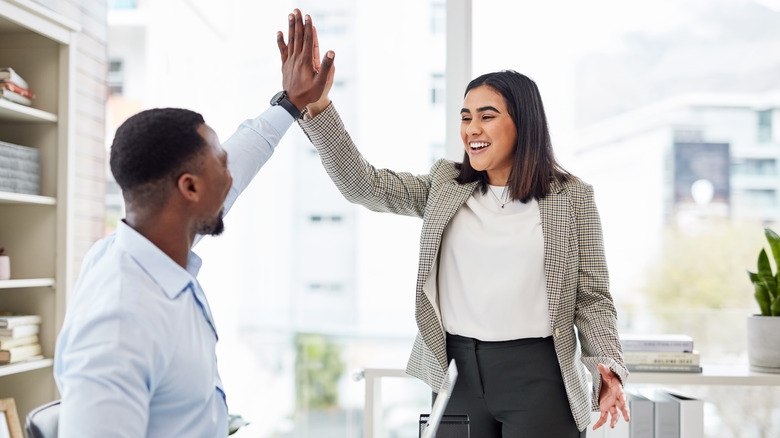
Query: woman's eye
x,y
487,117
465,119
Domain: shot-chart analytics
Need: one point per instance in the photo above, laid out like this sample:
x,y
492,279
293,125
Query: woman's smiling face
x,y
489,134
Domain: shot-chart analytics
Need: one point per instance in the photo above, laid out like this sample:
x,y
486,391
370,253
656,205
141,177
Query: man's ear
x,y
188,184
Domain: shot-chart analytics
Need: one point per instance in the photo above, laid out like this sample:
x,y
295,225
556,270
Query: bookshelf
x,y
35,230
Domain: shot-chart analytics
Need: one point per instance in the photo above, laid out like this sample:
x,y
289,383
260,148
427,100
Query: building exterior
x,y
683,161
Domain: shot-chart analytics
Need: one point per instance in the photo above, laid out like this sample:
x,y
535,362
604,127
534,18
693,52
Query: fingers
x,y
624,408
290,30
298,43
316,49
602,420
308,39
325,67
615,416
282,45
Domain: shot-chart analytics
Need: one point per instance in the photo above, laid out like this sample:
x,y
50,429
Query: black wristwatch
x,y
282,100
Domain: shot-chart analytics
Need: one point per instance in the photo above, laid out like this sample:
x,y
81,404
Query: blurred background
x,y
669,108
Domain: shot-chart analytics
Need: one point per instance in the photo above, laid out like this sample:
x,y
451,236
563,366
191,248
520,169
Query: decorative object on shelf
x,y
5,265
763,342
9,419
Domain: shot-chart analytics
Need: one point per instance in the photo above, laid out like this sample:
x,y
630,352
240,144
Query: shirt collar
x,y
172,278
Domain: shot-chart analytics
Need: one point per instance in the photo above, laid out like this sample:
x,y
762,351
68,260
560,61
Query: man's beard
x,y
212,228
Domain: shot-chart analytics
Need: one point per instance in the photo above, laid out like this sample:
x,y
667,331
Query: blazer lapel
x,y
554,211
442,209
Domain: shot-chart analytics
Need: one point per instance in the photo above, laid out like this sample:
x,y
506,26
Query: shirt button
x,y
556,333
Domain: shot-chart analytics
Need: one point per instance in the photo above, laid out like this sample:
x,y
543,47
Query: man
x,y
136,354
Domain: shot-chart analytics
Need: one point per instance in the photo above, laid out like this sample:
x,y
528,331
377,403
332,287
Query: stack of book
x,y
660,353
14,88
19,338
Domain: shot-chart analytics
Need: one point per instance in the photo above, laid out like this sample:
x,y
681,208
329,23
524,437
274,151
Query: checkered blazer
x,y
574,263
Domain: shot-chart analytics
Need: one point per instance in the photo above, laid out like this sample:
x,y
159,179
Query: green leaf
x,y
774,243
775,308
765,273
762,298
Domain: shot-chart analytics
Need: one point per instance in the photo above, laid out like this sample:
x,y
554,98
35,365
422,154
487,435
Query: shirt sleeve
x,y
250,147
105,377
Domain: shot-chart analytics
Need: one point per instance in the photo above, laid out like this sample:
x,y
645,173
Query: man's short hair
x,y
153,146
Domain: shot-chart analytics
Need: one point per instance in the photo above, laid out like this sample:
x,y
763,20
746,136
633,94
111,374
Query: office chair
x,y
42,422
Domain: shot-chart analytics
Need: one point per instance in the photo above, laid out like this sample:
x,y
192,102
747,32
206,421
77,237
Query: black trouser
x,y
510,389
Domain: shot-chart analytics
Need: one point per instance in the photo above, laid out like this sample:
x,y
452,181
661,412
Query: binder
x,y
642,424
691,415
666,415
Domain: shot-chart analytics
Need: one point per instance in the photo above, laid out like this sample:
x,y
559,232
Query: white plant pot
x,y
763,333
5,267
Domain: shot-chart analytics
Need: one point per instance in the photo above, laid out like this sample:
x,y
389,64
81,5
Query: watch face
x,y
278,98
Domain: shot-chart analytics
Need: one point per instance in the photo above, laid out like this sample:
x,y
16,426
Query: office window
x,y
754,166
116,76
765,125
761,197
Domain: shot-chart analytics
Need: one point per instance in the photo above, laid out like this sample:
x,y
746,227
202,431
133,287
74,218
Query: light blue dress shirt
x,y
136,353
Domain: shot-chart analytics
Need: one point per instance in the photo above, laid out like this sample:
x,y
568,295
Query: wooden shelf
x,y
16,368
14,112
21,198
26,282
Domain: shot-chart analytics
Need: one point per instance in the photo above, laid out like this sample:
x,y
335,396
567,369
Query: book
x,y
9,320
642,424
8,85
20,353
642,368
8,74
14,97
20,331
661,358
691,415
666,415
6,343
657,342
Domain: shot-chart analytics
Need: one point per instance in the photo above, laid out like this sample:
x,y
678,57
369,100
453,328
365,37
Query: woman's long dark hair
x,y
534,166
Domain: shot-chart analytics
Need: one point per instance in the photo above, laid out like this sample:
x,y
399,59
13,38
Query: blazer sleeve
x,y
595,314
361,183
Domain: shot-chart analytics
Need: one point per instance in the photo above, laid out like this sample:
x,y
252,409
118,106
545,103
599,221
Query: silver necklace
x,y
504,194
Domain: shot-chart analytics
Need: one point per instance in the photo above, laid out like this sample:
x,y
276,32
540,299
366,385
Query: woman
x,y
511,261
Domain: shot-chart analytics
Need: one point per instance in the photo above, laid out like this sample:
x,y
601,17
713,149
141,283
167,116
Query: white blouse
x,y
491,270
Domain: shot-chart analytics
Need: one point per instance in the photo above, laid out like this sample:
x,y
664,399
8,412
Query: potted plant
x,y
763,329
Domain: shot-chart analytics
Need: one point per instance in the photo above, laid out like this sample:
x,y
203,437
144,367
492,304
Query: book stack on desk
x,y
19,337
660,353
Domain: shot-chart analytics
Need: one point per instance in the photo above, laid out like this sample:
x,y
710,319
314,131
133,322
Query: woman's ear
x,y
187,185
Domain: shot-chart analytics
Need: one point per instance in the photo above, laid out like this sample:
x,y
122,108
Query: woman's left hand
x,y
611,398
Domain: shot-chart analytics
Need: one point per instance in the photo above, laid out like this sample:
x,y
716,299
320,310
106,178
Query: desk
x,y
738,375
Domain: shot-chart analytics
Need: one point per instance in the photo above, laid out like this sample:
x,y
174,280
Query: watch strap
x,y
282,100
